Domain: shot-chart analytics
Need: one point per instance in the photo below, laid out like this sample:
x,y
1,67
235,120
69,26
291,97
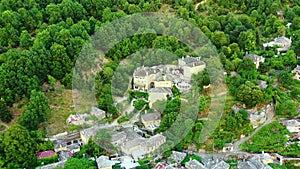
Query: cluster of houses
x,y
159,80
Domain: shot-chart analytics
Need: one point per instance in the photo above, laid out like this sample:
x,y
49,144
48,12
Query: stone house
x,y
256,59
151,119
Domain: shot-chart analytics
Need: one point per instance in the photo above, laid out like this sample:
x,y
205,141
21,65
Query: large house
x,y
256,59
190,66
165,76
283,43
158,80
297,72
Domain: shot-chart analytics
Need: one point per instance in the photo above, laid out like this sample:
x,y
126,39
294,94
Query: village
x,y
137,142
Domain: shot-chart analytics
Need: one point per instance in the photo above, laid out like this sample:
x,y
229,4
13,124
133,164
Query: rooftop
x,y
192,61
161,90
151,117
283,39
154,140
255,57
194,164
178,156
103,162
221,165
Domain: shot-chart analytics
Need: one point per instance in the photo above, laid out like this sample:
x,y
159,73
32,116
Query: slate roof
x,y
221,165
144,71
154,140
178,156
283,40
245,165
161,90
192,61
103,162
194,164
255,57
151,117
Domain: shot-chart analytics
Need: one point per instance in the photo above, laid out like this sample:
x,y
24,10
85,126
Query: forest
x,y
41,40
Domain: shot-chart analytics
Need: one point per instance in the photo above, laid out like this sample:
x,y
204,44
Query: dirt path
x,y
197,4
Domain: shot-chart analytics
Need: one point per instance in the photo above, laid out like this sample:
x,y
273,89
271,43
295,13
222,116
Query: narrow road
x,y
270,119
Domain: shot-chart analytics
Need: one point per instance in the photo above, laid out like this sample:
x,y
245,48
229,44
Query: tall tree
x,y
5,114
25,39
250,94
19,148
36,111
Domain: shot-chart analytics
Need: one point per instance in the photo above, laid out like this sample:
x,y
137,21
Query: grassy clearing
x,y
60,108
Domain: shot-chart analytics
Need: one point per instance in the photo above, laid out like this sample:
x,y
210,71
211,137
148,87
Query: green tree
x,y
25,39
36,111
220,39
247,40
19,148
75,163
250,94
5,114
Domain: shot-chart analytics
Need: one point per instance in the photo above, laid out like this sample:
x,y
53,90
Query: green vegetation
x,y
74,163
41,40
271,138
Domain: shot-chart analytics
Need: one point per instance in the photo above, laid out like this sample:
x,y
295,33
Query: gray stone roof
x,y
283,40
194,164
145,71
154,140
103,162
256,162
133,143
192,61
161,90
178,156
118,136
245,165
255,57
221,165
151,117
292,123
